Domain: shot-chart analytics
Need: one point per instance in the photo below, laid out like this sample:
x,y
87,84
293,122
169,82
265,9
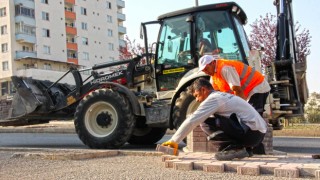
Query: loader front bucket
x,y
24,101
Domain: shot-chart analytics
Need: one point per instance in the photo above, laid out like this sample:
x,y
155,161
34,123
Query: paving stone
x,y
168,157
269,167
217,166
198,165
183,165
308,170
289,172
317,174
232,166
169,163
249,169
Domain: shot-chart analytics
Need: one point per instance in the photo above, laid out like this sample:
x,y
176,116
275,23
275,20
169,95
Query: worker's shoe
x,y
228,155
250,151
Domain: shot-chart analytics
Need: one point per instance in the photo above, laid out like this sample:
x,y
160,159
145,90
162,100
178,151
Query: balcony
x,y
121,17
70,15
26,54
71,30
120,4
122,30
72,60
25,20
25,38
122,43
72,46
70,1
28,4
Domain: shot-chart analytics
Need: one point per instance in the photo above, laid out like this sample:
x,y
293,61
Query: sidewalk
x,y
51,127
278,164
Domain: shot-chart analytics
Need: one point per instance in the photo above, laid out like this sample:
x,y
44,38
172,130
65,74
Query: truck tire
x,y
103,119
147,135
185,104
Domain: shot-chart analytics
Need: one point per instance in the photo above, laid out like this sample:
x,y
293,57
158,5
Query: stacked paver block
x,y
268,141
197,142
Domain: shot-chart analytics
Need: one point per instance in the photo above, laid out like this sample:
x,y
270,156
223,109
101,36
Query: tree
x,y
130,49
264,33
312,108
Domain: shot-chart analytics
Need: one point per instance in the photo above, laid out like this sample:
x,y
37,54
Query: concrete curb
x,y
51,127
73,154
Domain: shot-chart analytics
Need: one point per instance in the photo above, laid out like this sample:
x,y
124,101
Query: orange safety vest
x,y
249,77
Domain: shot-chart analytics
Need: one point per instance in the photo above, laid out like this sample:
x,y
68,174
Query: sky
x,y
304,11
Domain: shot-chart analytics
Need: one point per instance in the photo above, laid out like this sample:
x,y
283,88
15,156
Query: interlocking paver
x,y
289,166
249,169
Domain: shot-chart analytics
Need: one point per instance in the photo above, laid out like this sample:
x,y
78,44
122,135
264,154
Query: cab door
x,y
173,55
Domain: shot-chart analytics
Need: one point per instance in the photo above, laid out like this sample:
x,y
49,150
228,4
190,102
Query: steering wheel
x,y
183,56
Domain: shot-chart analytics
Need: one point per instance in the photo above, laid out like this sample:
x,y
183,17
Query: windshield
x,y
174,46
216,35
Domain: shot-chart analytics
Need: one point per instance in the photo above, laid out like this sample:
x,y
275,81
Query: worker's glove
x,y
173,145
170,144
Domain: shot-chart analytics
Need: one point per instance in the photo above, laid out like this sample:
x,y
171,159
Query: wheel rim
x,y
101,119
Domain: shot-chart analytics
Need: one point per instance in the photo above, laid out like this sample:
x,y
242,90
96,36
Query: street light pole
x,y
197,4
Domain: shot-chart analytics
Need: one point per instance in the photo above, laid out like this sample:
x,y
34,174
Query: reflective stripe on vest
x,y
248,80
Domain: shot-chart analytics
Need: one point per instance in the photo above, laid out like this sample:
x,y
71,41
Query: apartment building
x,y
42,39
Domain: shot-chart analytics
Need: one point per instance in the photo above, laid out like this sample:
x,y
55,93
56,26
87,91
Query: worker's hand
x,y
170,144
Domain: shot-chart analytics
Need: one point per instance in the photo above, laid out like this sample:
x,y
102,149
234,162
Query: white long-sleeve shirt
x,y
223,104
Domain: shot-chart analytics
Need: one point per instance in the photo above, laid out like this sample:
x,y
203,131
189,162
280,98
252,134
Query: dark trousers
x,y
258,101
237,133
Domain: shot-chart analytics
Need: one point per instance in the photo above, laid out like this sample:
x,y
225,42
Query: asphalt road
x,y
71,141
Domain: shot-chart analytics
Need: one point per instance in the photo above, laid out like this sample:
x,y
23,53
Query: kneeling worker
x,y
234,118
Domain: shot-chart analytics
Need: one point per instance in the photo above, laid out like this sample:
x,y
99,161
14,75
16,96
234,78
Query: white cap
x,y
205,60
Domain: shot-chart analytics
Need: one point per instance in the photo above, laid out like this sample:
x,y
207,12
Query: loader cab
x,y
186,35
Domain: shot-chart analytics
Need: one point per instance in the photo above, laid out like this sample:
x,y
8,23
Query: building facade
x,y
42,39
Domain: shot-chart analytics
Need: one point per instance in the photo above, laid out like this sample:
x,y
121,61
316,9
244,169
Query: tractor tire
x,y
103,120
147,135
185,105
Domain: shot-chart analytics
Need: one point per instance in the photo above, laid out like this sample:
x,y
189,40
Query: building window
x,y
84,26
5,66
109,18
3,12
85,41
110,46
110,32
45,32
30,30
83,11
47,66
108,5
4,47
85,56
3,30
4,88
45,16
45,1
25,48
46,49
20,10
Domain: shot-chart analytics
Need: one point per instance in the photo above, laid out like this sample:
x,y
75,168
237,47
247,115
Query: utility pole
x,y
197,4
